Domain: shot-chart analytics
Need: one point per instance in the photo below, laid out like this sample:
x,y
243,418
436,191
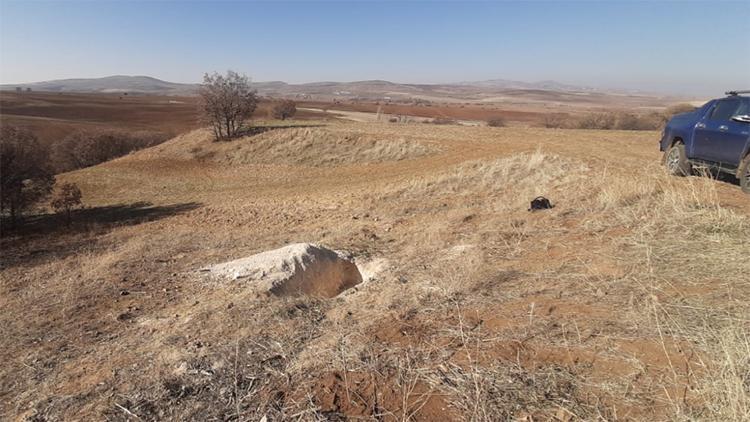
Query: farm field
x,y
626,301
52,116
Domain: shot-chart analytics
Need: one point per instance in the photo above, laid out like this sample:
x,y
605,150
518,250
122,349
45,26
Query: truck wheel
x,y
676,161
744,174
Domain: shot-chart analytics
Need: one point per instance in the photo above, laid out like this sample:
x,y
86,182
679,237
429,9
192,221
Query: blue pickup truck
x,y
716,136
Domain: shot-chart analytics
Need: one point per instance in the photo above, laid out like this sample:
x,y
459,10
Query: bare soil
x,y
51,116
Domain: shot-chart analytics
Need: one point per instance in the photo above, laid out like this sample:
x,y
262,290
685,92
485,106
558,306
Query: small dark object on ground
x,y
540,203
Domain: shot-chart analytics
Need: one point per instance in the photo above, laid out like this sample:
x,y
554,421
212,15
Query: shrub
x,y
627,121
284,110
442,121
496,122
66,198
620,121
602,121
553,121
87,148
25,175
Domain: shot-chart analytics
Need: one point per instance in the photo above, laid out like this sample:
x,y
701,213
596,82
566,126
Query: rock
x,y
297,269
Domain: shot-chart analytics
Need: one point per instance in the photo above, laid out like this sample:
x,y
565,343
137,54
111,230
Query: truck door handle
x,y
700,125
723,128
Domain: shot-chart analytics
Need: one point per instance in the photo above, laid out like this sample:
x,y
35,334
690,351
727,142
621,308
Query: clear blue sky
x,y
690,47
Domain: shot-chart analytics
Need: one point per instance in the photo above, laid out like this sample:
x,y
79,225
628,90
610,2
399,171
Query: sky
x,y
692,48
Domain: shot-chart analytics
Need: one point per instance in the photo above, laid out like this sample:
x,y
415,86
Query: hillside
x,y
492,91
473,309
111,84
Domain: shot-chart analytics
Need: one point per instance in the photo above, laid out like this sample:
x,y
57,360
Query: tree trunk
x,y
12,213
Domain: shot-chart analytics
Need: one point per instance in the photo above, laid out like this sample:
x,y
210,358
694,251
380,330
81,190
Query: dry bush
x,y
601,121
496,122
554,121
87,148
442,121
66,198
284,110
25,175
619,121
628,121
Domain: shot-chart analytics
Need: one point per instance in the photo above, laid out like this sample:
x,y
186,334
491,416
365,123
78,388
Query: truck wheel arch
x,y
676,140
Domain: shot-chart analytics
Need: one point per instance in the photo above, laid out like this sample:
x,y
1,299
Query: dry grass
x,y
306,145
627,301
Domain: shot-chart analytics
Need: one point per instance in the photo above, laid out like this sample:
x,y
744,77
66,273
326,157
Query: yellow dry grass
x,y
627,301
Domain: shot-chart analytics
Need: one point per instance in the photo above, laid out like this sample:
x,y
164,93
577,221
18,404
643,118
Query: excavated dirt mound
x,y
298,269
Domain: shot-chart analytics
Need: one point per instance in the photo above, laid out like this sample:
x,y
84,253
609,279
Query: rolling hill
x,y
110,84
482,91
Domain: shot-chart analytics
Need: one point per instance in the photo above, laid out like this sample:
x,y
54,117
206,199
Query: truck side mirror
x,y
742,118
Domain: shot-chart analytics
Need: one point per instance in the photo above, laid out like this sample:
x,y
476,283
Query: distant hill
x,y
541,85
372,90
110,84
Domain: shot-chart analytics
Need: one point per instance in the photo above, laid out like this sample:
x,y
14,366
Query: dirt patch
x,y
354,395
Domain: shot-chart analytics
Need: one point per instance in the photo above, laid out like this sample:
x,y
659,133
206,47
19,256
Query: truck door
x,y
718,138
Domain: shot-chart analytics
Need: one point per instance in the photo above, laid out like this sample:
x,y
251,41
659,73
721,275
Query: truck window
x,y
724,110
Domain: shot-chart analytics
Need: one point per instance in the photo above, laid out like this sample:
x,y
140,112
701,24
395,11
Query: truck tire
x,y
676,161
744,174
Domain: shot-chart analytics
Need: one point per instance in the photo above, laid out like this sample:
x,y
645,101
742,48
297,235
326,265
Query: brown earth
x,y
590,310
51,116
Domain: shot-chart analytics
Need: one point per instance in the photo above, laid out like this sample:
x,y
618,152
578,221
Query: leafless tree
x,y
66,198
284,110
226,102
25,176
